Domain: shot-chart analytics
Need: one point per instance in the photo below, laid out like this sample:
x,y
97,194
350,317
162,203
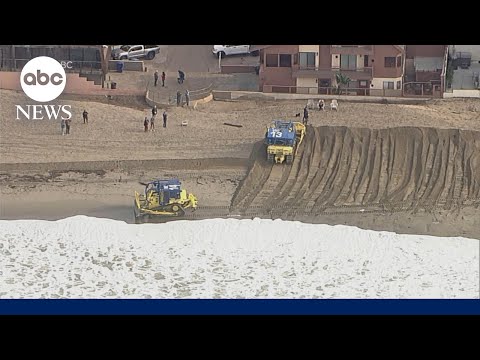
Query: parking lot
x,y
464,78
200,65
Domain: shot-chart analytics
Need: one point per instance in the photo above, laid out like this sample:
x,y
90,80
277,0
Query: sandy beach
x,y
115,133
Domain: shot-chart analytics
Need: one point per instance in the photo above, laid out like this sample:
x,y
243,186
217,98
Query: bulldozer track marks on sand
x,y
375,170
341,170
280,212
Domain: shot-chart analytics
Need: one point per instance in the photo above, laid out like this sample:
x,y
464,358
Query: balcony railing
x,y
351,49
331,91
365,73
353,46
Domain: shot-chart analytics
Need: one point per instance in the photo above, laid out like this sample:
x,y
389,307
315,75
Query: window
x,y
390,62
22,53
285,60
399,61
399,85
324,83
307,59
272,60
388,85
365,61
38,52
295,59
348,62
362,83
76,54
352,84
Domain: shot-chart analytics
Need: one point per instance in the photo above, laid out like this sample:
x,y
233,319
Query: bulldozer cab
x,y
163,191
281,133
162,199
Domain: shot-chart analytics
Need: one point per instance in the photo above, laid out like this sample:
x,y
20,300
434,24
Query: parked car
x,y
125,52
226,50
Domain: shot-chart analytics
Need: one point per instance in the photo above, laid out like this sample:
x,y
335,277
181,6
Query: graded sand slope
x,y
339,165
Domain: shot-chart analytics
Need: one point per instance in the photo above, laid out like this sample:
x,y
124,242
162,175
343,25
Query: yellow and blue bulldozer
x,y
162,199
283,139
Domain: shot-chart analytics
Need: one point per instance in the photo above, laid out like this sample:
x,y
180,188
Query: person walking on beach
x,y
145,124
85,117
152,124
62,125
163,78
67,126
181,77
179,98
155,77
305,115
165,119
187,97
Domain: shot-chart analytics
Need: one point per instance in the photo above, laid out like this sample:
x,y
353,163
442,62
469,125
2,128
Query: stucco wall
x,y
307,86
462,94
335,60
378,82
308,48
10,80
379,69
425,50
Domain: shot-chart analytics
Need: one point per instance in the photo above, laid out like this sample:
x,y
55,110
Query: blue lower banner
x,y
238,307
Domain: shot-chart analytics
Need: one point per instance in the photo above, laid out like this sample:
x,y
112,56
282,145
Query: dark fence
x,y
69,66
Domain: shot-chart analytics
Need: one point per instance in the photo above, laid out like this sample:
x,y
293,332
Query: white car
x,y
226,50
130,52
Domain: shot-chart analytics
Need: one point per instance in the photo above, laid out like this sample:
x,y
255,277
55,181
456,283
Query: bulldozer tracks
x,y
278,212
340,170
347,170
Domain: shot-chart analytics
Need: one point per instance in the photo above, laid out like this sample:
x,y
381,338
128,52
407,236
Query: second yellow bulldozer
x,y
162,199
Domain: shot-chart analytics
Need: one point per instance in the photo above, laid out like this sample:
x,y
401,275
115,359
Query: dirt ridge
x,y
338,165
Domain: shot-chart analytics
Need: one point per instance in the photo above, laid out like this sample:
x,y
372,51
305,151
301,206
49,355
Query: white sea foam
x,y
84,257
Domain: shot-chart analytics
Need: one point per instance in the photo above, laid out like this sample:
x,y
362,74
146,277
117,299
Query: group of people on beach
x,y
149,124
156,76
320,106
65,124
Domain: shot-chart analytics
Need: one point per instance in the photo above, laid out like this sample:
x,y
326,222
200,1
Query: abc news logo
x,y
43,79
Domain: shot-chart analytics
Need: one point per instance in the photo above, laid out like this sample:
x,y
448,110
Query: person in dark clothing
x,y
152,123
181,76
163,78
67,126
85,117
155,77
62,126
179,98
145,124
165,119
305,115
